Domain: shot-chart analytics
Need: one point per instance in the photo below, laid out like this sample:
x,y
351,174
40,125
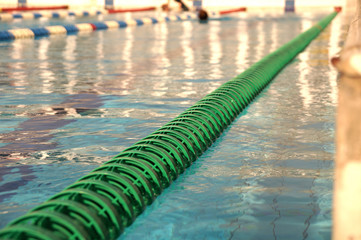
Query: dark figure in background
x,y
165,7
202,15
184,7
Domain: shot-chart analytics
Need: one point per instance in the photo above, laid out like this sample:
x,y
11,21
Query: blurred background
x,y
251,5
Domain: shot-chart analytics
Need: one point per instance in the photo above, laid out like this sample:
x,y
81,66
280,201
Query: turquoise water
x,y
69,103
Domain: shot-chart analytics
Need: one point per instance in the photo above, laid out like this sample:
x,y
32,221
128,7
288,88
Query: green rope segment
x,y
108,199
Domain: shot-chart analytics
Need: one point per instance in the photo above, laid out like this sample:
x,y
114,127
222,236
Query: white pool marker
x,y
112,24
27,15
56,30
147,20
84,27
22,33
47,14
6,17
131,22
173,18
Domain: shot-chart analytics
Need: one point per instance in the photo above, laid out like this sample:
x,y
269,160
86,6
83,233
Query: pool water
x,y
69,103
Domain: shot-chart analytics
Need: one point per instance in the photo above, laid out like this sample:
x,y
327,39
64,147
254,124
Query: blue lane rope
x,y
13,34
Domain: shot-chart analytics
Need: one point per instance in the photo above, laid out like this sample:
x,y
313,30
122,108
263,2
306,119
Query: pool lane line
x,y
218,14
241,9
56,14
33,8
69,29
6,16
111,11
108,199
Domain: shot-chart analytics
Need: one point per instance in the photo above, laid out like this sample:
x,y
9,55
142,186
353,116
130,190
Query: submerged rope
x,y
108,199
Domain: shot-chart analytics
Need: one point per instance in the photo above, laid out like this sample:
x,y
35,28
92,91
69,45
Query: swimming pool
x,y
71,103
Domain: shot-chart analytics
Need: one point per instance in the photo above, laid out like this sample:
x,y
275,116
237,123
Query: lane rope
x,y
13,34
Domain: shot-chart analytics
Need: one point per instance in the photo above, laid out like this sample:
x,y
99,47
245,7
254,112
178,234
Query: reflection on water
x,y
162,62
70,103
242,47
215,49
188,53
304,71
45,71
274,33
70,65
260,40
126,57
18,73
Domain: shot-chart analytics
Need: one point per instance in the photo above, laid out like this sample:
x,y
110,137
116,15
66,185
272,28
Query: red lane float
x,y
131,10
338,9
241,9
34,8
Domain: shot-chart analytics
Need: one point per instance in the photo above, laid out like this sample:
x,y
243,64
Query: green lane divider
x,y
108,199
